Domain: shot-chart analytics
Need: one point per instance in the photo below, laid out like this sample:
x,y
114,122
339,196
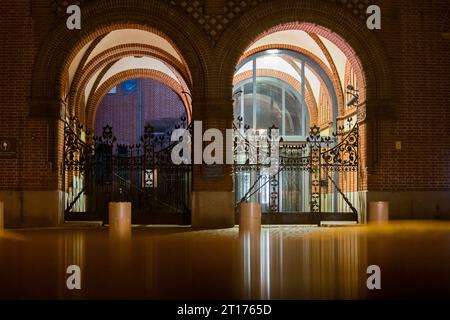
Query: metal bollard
x,y
120,218
250,216
378,212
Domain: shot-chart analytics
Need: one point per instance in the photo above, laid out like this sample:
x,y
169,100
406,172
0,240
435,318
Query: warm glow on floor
x,y
277,262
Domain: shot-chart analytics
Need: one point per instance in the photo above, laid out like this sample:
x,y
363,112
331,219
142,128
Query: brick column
x,y
38,200
213,196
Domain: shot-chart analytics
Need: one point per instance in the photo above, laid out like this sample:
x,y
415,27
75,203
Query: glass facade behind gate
x,y
270,90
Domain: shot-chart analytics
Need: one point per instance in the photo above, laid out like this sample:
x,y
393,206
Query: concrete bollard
x,y
378,212
2,216
250,216
120,218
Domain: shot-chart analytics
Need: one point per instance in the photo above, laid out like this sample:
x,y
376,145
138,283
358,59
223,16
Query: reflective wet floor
x,y
276,262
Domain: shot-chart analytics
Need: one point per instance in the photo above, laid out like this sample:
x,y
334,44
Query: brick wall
x,y
23,25
417,114
120,110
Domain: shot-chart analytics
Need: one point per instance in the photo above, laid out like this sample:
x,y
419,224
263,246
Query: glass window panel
x,y
237,103
248,67
269,104
248,104
293,115
129,86
113,90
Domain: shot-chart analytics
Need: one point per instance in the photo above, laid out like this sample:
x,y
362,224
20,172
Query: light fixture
x,y
353,101
236,93
355,95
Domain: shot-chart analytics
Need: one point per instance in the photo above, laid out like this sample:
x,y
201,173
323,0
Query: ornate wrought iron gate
x,y
97,171
317,179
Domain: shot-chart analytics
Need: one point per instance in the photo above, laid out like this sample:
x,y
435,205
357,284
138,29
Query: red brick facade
x,y
120,110
405,67
95,100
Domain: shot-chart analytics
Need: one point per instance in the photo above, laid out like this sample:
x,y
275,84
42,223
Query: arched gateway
x,y
294,75
292,79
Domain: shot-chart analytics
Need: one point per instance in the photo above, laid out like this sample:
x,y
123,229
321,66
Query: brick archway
x,y
97,97
330,73
318,15
99,18
103,61
314,31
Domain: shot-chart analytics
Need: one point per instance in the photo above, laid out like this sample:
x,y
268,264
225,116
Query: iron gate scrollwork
x,y
316,176
98,170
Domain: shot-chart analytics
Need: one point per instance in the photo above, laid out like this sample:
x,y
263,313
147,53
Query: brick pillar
x,y
213,196
374,114
38,200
